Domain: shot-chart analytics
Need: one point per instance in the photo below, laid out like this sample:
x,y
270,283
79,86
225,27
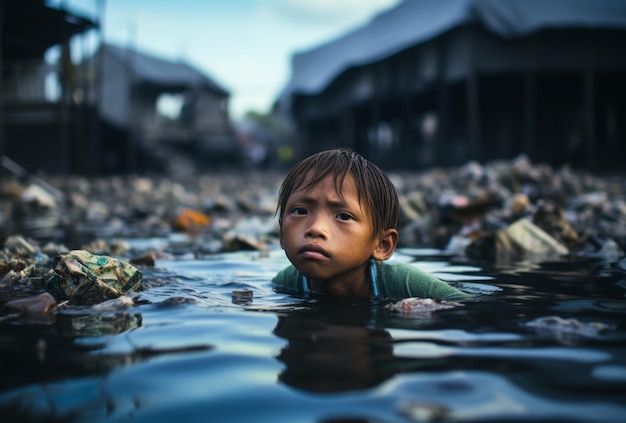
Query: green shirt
x,y
391,280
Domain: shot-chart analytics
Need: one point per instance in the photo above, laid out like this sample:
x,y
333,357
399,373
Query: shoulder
x,y
394,271
403,280
287,280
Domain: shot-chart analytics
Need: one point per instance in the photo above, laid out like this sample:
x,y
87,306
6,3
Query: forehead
x,y
329,184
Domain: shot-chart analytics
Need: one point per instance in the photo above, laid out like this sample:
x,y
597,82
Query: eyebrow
x,y
310,199
338,204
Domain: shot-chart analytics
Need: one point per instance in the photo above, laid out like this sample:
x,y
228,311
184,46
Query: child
x,y
338,215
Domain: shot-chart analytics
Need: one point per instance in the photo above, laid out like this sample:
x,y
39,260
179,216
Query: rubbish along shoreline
x,y
504,210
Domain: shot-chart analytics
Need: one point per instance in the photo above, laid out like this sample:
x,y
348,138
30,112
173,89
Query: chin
x,y
312,273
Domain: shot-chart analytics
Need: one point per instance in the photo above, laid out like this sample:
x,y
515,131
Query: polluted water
x,y
133,298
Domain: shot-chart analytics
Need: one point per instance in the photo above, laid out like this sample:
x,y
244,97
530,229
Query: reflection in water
x,y
333,353
31,352
99,324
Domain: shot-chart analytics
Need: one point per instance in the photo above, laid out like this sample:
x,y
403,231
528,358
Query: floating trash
x,y
420,306
563,328
89,279
521,239
242,296
43,303
191,221
115,304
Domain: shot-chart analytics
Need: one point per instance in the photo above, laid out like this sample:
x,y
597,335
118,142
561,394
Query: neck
x,y
357,288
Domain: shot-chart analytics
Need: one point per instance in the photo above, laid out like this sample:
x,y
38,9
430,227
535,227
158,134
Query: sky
x,y
244,45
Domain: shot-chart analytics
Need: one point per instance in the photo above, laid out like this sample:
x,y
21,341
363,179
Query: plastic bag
x,y
87,278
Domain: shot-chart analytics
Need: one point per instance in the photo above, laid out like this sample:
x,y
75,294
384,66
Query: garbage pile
x,y
504,210
221,207
499,210
514,209
36,280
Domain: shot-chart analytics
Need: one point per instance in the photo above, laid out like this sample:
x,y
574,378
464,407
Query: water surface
x,y
186,352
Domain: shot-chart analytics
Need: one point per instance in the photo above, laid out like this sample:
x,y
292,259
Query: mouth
x,y
313,252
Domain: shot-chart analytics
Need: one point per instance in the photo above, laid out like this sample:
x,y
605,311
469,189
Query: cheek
x,y
280,234
286,231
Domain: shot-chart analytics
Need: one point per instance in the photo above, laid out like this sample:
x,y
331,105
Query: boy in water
x,y
339,215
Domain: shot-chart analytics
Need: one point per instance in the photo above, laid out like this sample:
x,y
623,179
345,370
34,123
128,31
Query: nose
x,y
318,226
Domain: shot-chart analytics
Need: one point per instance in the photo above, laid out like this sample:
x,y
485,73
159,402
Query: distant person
x,y
339,216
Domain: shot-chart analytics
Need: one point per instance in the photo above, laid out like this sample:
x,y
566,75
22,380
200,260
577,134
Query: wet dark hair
x,y
374,188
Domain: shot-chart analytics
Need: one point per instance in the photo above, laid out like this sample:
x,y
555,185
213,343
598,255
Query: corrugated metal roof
x,y
417,21
162,72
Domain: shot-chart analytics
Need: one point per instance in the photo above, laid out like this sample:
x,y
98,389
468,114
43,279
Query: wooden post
x,y
530,97
408,140
347,128
589,101
473,100
443,100
2,129
66,155
97,69
374,113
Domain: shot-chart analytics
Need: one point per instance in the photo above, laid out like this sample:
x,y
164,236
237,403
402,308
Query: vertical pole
x,y
530,97
408,141
589,102
347,128
65,153
443,100
374,124
2,129
97,85
473,101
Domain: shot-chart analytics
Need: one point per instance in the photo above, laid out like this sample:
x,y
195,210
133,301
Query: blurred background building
x,y
443,82
44,124
191,122
98,113
428,82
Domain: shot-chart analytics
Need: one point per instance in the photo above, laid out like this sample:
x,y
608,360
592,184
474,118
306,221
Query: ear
x,y
387,243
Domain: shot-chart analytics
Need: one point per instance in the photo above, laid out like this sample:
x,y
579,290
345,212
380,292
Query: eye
x,y
344,216
299,210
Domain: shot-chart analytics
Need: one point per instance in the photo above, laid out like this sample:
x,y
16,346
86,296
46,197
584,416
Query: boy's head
x,y
376,192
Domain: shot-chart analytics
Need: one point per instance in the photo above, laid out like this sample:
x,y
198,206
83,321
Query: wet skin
x,y
330,239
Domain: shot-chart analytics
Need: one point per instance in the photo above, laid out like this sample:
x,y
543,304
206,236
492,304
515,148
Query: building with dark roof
x,y
440,82
42,127
132,83
97,113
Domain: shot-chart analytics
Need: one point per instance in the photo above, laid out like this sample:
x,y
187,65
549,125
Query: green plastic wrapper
x,y
87,278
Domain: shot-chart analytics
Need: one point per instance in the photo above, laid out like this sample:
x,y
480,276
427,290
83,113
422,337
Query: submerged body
x,y
338,214
388,280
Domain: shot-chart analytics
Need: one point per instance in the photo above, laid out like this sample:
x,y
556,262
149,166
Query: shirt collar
x,y
373,278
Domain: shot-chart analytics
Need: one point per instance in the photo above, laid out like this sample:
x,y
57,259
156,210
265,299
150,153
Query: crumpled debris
x,y
551,218
88,279
520,240
115,304
420,306
191,221
422,411
18,245
40,195
242,296
567,328
573,207
43,303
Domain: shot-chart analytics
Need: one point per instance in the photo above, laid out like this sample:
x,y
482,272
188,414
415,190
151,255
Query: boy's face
x,y
328,238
